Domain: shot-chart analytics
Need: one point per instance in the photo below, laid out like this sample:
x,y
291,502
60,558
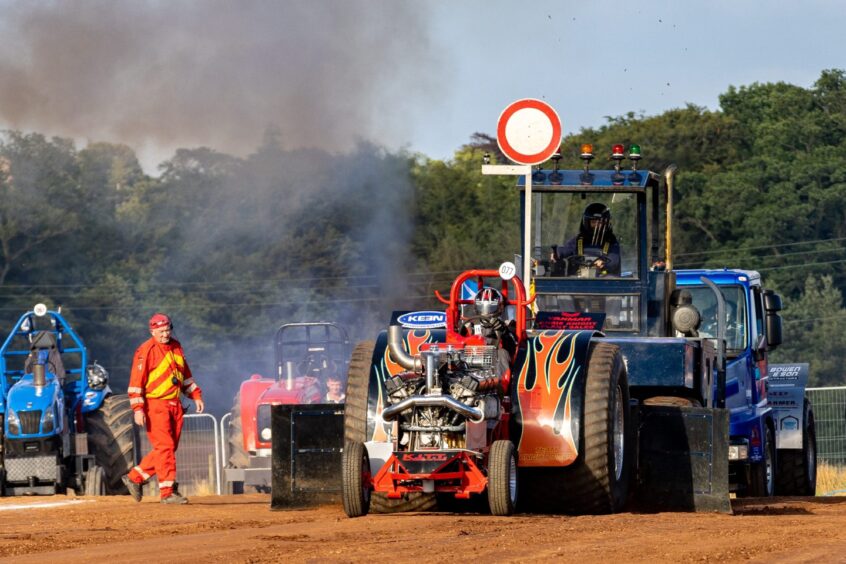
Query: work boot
x,y
175,499
134,489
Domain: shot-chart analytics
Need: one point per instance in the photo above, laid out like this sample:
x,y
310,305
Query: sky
x,y
418,75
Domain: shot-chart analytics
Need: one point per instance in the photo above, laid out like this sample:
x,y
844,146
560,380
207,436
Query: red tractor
x,y
444,404
311,370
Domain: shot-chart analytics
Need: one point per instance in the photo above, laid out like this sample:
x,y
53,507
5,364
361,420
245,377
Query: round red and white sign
x,y
528,131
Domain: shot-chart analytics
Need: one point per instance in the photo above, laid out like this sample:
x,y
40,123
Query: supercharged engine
x,y
448,396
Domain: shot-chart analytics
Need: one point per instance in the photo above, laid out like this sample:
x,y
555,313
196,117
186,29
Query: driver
x,y
489,306
595,243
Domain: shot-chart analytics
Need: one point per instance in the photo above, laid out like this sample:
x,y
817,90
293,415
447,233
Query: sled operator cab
x,y
599,245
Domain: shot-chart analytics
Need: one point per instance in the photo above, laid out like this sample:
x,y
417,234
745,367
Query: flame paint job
x,y
549,397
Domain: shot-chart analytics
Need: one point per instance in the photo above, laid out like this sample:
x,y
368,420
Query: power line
x,y
775,246
781,256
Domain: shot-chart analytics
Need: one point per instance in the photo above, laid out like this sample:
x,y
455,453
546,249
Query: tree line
x,y
232,247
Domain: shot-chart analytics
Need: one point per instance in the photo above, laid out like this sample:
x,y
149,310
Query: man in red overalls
x,y
160,374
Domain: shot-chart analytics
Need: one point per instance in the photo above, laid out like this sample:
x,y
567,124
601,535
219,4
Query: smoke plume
x,y
214,73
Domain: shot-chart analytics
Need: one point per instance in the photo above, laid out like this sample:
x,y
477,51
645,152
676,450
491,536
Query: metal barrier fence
x,y
224,439
830,419
198,459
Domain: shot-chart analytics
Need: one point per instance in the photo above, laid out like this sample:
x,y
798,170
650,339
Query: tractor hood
x,y
25,398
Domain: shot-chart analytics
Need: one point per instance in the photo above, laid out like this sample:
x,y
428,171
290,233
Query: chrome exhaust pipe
x,y
398,353
473,413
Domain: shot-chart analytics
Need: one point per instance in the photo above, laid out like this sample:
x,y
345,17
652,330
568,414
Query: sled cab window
x,y
585,234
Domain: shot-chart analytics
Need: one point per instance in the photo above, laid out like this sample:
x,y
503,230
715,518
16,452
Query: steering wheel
x,y
580,266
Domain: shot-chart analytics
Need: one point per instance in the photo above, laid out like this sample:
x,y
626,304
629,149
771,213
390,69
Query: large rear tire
x,y
112,438
762,474
797,469
502,478
355,429
355,479
597,482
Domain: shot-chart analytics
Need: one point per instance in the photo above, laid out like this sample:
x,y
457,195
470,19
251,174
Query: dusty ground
x,y
243,529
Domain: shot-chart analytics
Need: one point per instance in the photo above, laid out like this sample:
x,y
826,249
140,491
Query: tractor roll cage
x,y
453,311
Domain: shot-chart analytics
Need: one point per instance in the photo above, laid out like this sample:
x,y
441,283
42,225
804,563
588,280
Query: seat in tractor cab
x,y
44,350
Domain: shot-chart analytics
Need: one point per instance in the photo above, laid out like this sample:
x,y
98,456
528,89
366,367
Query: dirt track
x,y
243,529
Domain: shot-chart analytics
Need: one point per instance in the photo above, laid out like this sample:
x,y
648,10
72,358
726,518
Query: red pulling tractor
x,y
311,362
442,411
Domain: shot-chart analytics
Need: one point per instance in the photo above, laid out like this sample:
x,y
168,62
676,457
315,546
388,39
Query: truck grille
x,y
30,421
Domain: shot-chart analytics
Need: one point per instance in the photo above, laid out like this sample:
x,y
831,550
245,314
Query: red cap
x,y
160,320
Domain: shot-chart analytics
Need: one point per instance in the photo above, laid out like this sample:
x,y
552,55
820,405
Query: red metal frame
x,y
459,474
393,478
453,312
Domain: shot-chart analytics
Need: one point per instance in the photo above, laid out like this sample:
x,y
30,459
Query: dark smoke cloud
x,y
214,73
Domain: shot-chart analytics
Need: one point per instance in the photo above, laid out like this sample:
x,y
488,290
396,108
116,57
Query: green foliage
x,y
814,331
233,247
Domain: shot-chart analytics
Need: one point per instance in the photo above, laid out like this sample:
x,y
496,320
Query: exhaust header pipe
x,y
473,413
398,351
39,375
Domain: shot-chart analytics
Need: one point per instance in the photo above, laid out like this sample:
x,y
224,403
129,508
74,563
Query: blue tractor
x,y
62,427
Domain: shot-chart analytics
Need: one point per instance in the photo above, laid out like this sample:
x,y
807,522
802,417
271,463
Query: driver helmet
x,y
488,302
601,215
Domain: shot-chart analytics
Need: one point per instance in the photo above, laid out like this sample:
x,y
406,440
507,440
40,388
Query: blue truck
x,y
627,382
61,425
772,436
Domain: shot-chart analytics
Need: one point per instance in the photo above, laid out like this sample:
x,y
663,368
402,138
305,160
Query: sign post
x,y
528,132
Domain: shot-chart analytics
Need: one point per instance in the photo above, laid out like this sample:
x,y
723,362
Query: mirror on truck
x,y
772,305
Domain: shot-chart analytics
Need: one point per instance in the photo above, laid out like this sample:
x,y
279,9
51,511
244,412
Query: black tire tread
x,y
94,481
792,477
587,486
757,486
358,382
499,473
112,439
355,503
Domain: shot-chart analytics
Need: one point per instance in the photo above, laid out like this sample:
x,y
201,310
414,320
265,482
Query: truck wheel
x,y
797,469
112,440
95,481
355,429
597,482
762,474
355,479
502,478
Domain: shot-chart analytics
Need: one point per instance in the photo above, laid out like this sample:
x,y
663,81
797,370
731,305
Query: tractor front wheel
x,y
502,478
355,479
